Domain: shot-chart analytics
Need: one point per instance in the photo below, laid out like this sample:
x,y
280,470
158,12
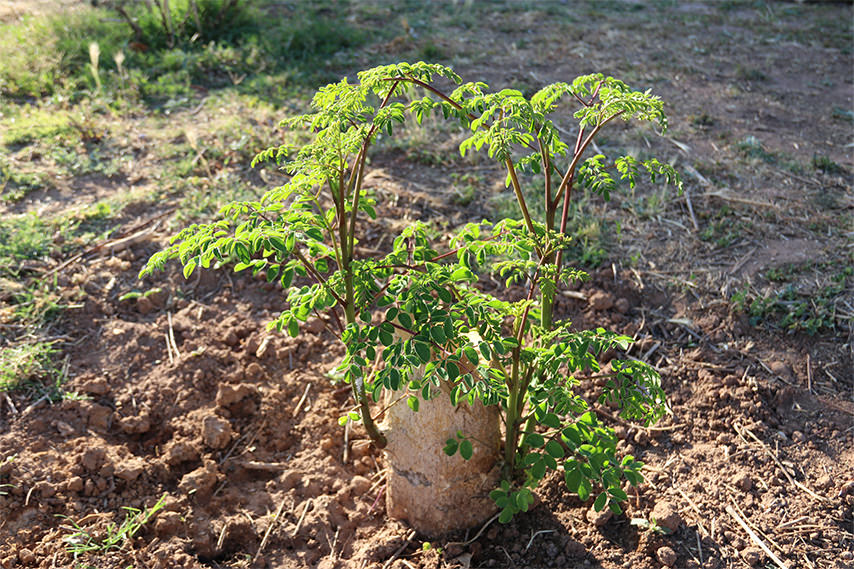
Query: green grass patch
x,y
21,366
244,47
796,306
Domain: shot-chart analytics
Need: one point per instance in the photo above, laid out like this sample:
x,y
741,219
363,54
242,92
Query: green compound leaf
x,y
584,489
601,499
535,440
555,449
423,351
466,449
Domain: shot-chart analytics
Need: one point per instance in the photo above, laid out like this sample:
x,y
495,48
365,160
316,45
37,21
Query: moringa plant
x,y
415,319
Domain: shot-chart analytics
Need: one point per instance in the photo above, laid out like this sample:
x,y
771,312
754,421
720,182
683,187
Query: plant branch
x,y
317,276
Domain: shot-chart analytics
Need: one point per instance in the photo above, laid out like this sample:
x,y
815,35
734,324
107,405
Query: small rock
x,y
44,488
327,443
167,524
744,482
26,556
75,484
97,386
130,469
599,519
254,370
135,425
622,305
314,325
601,300
360,485
752,556
144,305
93,458
98,417
798,437
181,452
666,555
201,481
231,338
666,516
781,369
216,432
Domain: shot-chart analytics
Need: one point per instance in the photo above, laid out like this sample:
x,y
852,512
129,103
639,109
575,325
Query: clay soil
x,y
236,428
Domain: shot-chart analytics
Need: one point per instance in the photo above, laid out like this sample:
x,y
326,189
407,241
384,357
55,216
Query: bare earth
x,y
237,427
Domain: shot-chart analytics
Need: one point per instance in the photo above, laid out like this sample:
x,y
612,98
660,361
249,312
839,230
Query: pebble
x,y
231,338
93,458
752,556
200,481
599,519
75,484
44,488
798,437
666,555
744,482
26,556
666,516
600,300
130,469
216,432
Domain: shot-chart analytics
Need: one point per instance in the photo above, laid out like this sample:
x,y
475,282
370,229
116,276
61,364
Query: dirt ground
x,y
236,428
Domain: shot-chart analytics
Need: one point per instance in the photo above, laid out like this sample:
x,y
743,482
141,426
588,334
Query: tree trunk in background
x,y
433,492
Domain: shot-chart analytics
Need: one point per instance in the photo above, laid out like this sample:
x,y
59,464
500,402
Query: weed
x,y
15,185
22,365
826,165
83,541
650,525
793,307
751,147
842,114
21,238
465,187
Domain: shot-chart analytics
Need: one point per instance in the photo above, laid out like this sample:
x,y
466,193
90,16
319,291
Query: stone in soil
x,y
666,516
201,481
601,300
666,556
599,519
216,432
752,556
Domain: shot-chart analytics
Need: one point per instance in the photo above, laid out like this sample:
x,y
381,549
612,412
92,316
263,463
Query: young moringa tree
x,y
414,320
507,124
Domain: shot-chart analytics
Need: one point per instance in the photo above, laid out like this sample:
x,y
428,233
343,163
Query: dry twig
x,y
755,537
270,529
400,549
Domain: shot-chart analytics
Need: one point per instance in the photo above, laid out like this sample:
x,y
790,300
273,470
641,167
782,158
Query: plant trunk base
x,y
433,492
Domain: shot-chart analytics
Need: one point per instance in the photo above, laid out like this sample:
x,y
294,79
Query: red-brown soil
x,y
238,429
